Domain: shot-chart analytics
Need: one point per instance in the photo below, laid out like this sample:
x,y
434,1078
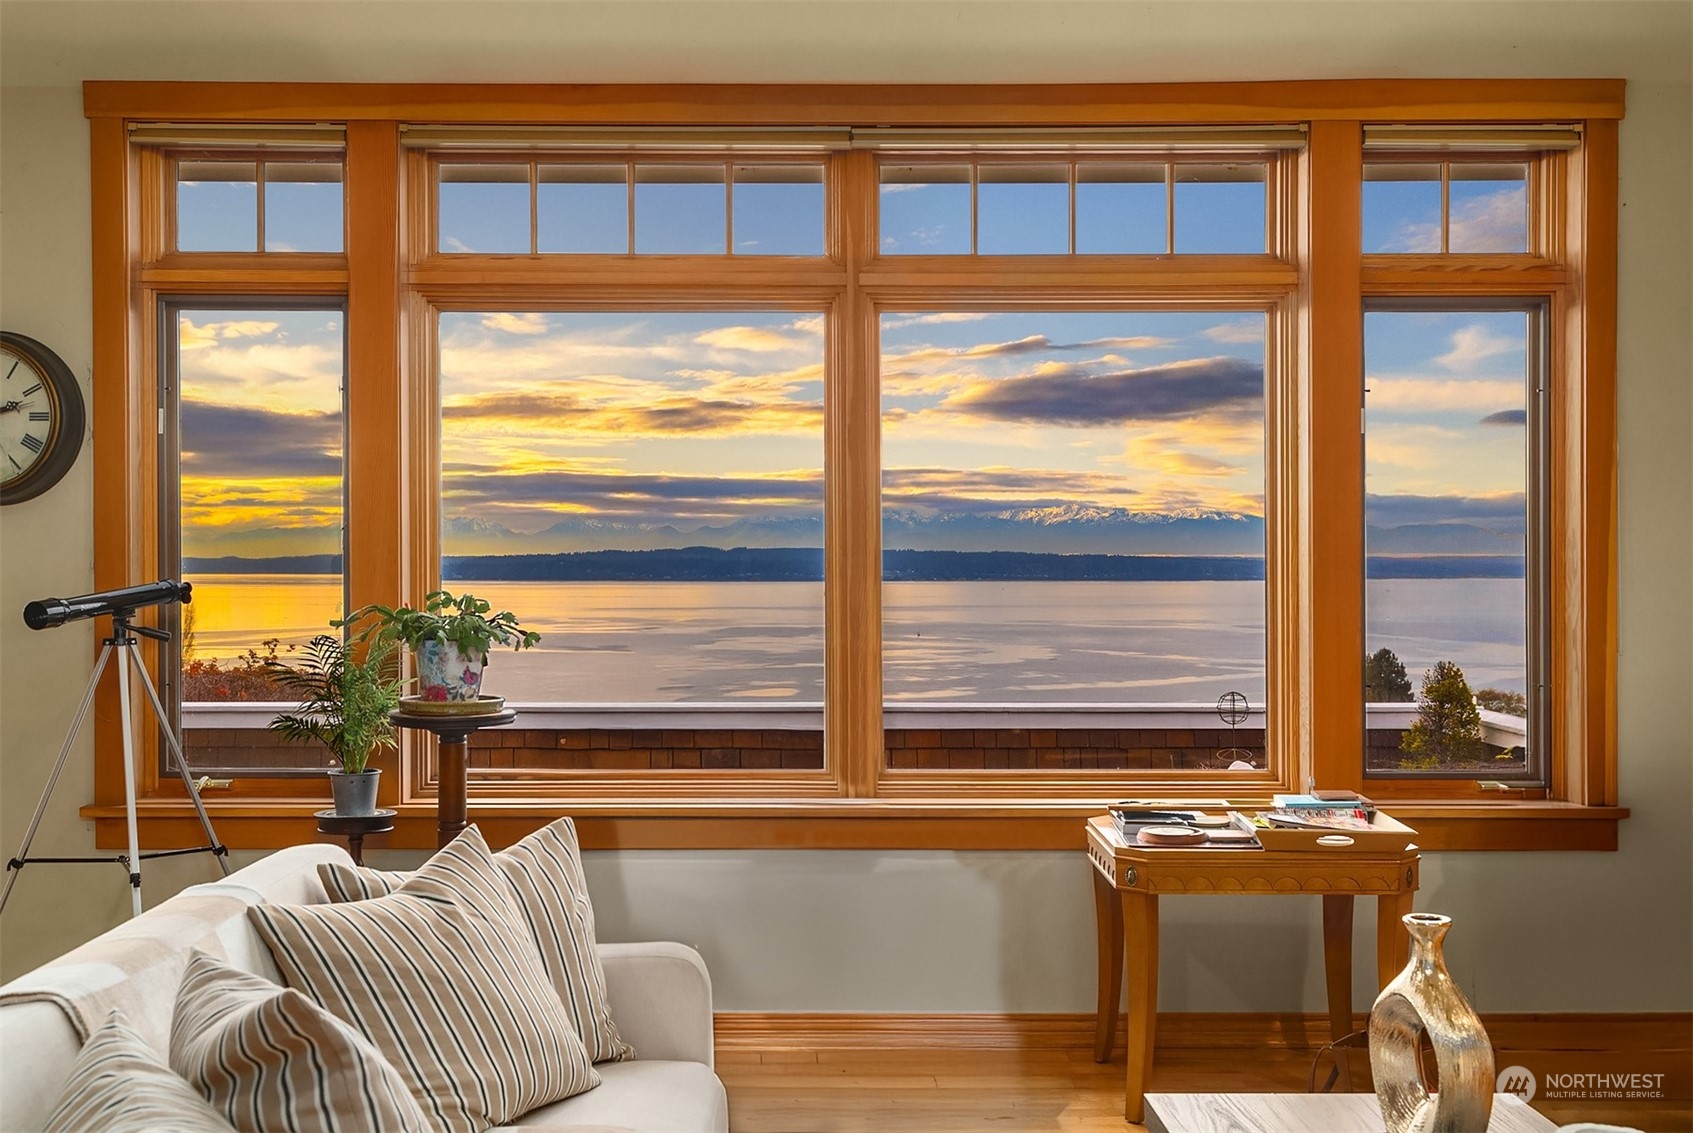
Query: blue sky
x,y
1489,209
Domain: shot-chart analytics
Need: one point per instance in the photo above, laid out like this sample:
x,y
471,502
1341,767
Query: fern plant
x,y
344,701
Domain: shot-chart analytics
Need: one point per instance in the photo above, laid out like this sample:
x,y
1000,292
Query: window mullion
x,y
378,403
852,543
1330,525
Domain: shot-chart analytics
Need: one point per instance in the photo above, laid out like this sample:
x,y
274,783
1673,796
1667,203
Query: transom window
x,y
292,204
640,206
1446,206
1040,207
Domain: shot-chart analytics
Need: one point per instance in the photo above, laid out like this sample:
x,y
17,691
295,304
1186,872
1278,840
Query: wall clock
x,y
41,418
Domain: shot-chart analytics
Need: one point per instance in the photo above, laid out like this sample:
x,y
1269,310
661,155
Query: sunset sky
x,y
703,419
700,419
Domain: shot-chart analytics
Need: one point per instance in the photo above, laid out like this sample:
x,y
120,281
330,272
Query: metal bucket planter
x,y
355,793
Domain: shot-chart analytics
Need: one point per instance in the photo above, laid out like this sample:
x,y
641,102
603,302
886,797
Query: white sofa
x,y
660,997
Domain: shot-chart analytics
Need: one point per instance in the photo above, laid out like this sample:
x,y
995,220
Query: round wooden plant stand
x,y
453,735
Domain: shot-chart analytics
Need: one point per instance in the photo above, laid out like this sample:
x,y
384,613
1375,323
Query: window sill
x,y
844,824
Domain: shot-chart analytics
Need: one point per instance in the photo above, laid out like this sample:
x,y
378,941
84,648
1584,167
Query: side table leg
x,y
1140,950
355,847
1108,923
1393,943
1337,965
450,813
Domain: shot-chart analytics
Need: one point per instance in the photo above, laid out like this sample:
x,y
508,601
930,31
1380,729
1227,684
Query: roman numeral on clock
x,y
40,415
32,442
34,389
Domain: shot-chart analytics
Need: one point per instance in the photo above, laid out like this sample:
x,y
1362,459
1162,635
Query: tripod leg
x,y
129,791
216,847
14,866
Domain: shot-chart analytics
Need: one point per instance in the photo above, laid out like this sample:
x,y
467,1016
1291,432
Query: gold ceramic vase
x,y
1423,998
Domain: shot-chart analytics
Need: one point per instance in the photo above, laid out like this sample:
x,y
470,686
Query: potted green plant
x,y
344,705
451,637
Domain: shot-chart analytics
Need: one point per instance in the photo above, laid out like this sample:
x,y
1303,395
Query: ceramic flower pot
x,y
1423,998
443,673
354,793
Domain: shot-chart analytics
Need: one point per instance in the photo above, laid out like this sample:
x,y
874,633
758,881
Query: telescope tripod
x,y
123,644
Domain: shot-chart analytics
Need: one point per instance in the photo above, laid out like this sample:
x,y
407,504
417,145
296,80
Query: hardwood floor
x,y
932,1090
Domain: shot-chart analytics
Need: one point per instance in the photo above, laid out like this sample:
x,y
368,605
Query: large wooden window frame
x,y
1313,284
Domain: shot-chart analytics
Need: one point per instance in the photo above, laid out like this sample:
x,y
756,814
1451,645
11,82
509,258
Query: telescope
x,y
49,613
121,604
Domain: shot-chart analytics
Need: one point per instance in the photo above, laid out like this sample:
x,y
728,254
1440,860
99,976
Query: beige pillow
x,y
443,977
269,1059
545,872
119,1084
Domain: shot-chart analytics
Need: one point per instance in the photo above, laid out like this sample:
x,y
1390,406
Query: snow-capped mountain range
x,y
1065,529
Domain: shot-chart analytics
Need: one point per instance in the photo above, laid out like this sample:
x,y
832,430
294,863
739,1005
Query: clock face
x,y
41,418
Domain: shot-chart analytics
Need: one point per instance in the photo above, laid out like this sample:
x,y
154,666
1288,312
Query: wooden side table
x,y
1129,879
453,732
354,827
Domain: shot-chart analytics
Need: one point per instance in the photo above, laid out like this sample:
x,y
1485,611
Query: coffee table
x,y
1306,1113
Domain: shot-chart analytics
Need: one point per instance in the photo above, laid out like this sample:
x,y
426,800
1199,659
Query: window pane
x,y
583,209
1120,209
303,206
645,490
1220,209
1073,515
1023,210
1489,208
260,428
1401,207
681,210
217,206
1446,513
925,210
779,210
484,208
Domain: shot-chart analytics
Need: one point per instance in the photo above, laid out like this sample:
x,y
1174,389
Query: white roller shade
x,y
244,136
1138,139
1472,139
655,139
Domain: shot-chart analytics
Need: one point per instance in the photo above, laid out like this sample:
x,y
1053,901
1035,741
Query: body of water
x,y
989,642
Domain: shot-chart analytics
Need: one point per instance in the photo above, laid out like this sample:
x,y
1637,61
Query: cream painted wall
x,y
914,931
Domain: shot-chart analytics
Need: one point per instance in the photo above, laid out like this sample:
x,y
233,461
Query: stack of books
x,y
1321,810
1131,818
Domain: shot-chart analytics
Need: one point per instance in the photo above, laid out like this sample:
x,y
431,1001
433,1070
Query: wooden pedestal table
x,y
1129,879
453,732
354,827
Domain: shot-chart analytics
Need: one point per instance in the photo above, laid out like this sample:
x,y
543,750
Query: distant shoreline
x,y
805,564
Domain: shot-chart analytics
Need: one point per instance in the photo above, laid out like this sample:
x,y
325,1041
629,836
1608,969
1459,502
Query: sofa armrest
x,y
660,996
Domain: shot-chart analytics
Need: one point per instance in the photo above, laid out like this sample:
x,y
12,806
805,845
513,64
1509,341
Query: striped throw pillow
x,y
119,1084
545,872
444,979
271,1060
